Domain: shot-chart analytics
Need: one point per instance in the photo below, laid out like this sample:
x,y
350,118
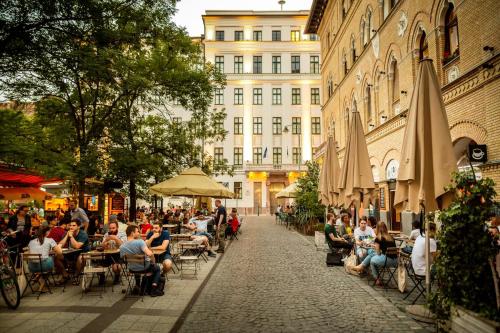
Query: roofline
x,y
222,12
315,16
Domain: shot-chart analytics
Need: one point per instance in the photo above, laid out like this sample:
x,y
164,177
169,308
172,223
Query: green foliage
x,y
462,269
319,227
308,207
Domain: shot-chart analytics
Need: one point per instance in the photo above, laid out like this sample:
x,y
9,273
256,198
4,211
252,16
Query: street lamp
x,y
285,130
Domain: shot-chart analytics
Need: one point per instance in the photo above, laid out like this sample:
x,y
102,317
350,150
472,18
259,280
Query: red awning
x,y
22,177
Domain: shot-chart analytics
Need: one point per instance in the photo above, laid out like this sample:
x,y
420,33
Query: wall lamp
x,y
369,85
488,48
374,30
371,126
384,117
404,92
381,72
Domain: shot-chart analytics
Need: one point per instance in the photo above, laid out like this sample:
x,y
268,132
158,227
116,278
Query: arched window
x,y
423,47
362,34
344,64
451,49
395,86
368,101
344,9
346,124
353,49
369,26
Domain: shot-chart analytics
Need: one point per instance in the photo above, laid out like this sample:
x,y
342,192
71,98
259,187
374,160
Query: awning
x,y
23,194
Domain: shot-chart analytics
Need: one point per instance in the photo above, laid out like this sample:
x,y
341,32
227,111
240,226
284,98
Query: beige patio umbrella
x,y
427,157
329,176
356,174
288,192
190,183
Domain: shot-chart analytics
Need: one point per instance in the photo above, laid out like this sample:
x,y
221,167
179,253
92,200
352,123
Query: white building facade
x,y
272,101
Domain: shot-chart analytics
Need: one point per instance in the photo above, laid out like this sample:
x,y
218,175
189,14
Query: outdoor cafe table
x,y
171,227
186,246
180,237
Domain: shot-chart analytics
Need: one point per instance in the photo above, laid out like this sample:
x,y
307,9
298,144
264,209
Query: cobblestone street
x,y
274,280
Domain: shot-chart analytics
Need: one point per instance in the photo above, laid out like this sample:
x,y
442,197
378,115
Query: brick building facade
x,y
371,51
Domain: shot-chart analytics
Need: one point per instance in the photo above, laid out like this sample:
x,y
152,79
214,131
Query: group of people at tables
x,y
61,245
370,241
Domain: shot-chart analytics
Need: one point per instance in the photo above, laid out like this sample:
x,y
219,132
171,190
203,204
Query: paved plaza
x,y
270,280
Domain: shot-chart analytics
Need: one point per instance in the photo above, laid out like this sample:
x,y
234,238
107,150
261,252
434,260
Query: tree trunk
x,y
101,202
81,192
133,199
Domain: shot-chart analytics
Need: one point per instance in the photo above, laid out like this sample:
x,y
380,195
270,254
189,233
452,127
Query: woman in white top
x,y
43,245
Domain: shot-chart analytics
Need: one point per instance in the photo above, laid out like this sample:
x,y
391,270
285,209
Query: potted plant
x,y
466,295
308,207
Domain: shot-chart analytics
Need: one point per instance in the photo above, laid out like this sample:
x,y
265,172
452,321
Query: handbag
x,y
349,263
333,259
401,278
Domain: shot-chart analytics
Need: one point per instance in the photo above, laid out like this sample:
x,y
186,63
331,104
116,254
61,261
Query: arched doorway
x,y
461,149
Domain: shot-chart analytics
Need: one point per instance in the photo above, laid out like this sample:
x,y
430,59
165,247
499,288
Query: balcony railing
x,y
271,167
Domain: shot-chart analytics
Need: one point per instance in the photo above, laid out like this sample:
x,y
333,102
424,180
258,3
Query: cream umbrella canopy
x,y
191,182
356,173
330,174
288,192
427,158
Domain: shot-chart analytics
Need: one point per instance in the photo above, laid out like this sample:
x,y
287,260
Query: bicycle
x,y
9,287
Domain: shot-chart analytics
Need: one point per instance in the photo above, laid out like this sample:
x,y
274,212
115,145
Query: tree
x,y
308,207
68,55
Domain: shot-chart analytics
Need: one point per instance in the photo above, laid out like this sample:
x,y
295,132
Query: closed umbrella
x,y
330,174
427,157
288,192
356,174
191,182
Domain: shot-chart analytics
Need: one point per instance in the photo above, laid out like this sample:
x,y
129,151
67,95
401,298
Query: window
x,y
368,99
387,7
277,156
238,125
257,35
423,47
313,37
238,35
219,35
276,96
238,156
219,125
369,27
295,35
276,125
295,96
177,120
451,49
257,125
257,155
238,96
276,64
257,96
395,82
315,96
219,96
238,64
295,64
218,155
219,63
344,64
314,64
296,125
296,155
344,9
238,190
363,36
315,125
353,50
257,64
276,35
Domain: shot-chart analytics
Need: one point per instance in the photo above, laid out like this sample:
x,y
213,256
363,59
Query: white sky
x,y
190,11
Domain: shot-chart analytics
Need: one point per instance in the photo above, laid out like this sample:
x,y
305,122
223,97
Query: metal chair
x,y
387,269
33,278
94,268
417,280
132,275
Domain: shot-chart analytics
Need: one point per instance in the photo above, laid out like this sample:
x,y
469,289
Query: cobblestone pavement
x,y
273,280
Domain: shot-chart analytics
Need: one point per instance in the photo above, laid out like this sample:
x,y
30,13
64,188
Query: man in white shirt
x,y
363,234
418,253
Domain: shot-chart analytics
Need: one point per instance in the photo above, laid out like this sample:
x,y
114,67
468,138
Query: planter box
x,y
465,321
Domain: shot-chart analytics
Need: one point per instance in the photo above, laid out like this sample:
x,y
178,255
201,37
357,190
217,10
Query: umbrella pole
x,y
427,254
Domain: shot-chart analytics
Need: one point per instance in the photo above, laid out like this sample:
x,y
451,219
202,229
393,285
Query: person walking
x,y
220,223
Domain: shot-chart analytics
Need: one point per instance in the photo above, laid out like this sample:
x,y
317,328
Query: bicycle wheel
x,y
10,288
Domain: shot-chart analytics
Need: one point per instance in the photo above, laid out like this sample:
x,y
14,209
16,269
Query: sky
x,y
190,11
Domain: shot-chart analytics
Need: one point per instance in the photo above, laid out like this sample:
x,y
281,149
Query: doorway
x,y
257,197
274,188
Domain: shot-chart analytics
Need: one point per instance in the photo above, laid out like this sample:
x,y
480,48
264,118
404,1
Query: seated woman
x,y
43,245
345,230
377,259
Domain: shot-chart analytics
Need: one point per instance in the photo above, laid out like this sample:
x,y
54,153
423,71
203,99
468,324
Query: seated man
x,y
202,236
76,238
363,235
136,246
418,253
332,239
113,239
158,239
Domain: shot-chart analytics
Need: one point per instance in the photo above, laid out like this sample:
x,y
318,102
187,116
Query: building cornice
x,y
316,14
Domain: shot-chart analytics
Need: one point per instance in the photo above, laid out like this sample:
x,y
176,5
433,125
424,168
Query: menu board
x,y
382,198
117,203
